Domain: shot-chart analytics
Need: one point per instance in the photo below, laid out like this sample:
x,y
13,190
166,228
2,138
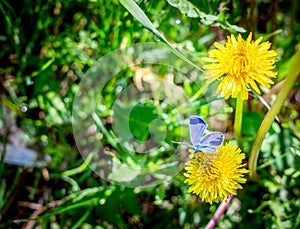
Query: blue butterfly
x,y
208,143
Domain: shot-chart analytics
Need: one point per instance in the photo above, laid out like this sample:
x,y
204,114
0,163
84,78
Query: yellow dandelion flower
x,y
239,63
214,176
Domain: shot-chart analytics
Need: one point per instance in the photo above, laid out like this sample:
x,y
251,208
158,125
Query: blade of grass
x,y
6,200
139,15
70,202
72,182
8,18
83,218
113,141
81,168
87,203
42,68
270,116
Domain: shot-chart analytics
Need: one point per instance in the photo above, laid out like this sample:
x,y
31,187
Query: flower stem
x,y
270,116
238,119
219,212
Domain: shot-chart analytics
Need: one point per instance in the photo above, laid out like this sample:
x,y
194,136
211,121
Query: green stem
x,y
238,119
270,116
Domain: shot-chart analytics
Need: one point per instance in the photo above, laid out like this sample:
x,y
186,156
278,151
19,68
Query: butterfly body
x,y
209,142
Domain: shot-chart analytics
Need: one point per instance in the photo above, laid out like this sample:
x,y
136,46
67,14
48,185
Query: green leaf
x,y
208,19
235,28
189,9
185,7
139,121
251,122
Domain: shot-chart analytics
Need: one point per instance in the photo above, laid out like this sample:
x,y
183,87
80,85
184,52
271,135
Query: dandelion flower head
x,y
239,63
214,176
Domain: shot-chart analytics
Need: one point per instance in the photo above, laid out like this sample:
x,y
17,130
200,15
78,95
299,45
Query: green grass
x,y
47,49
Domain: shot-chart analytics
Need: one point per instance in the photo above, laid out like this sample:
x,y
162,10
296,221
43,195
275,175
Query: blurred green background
x,y
46,49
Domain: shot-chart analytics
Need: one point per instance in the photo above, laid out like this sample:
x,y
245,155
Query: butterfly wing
x,y
197,128
211,141
207,149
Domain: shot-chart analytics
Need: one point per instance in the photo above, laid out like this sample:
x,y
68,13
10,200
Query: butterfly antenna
x,y
183,143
